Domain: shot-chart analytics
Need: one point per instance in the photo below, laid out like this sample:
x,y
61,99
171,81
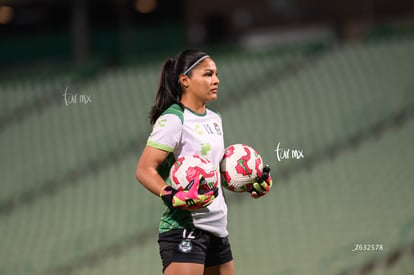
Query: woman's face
x,y
203,83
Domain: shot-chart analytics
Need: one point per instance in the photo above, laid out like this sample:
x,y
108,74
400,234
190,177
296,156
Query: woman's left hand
x,y
262,184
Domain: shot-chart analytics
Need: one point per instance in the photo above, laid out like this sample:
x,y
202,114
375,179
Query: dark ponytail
x,y
169,89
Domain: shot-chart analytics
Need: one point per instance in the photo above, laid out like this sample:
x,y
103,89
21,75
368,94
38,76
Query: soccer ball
x,y
185,169
240,166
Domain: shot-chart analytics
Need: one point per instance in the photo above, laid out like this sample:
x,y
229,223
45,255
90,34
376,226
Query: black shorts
x,y
193,246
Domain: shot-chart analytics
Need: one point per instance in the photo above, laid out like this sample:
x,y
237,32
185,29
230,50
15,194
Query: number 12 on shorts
x,y
188,235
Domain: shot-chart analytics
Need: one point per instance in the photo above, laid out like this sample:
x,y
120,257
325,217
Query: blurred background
x,y
332,79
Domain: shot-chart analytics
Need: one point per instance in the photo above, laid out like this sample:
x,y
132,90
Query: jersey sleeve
x,y
166,132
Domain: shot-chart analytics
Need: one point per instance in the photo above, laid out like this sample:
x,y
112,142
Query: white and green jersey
x,y
183,132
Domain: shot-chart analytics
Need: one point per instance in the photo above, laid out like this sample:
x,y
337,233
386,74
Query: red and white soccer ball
x,y
185,169
240,166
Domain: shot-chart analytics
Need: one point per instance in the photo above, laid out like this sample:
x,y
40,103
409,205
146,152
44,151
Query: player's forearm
x,y
150,179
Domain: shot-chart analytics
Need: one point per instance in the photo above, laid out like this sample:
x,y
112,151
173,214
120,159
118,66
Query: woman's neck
x,y
195,106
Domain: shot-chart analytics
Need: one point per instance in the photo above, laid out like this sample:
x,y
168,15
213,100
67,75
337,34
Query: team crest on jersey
x,y
185,246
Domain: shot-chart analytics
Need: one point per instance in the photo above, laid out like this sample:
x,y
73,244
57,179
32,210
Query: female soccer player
x,y
192,236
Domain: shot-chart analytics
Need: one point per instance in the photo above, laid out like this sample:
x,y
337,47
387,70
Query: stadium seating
x,y
328,101
348,109
313,221
80,133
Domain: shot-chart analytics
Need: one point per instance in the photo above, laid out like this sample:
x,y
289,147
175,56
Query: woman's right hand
x,y
190,198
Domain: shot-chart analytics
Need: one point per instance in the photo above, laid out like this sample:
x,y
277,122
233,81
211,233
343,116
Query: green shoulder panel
x,y
214,111
175,109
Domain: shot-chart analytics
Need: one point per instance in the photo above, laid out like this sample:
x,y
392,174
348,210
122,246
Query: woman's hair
x,y
169,89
